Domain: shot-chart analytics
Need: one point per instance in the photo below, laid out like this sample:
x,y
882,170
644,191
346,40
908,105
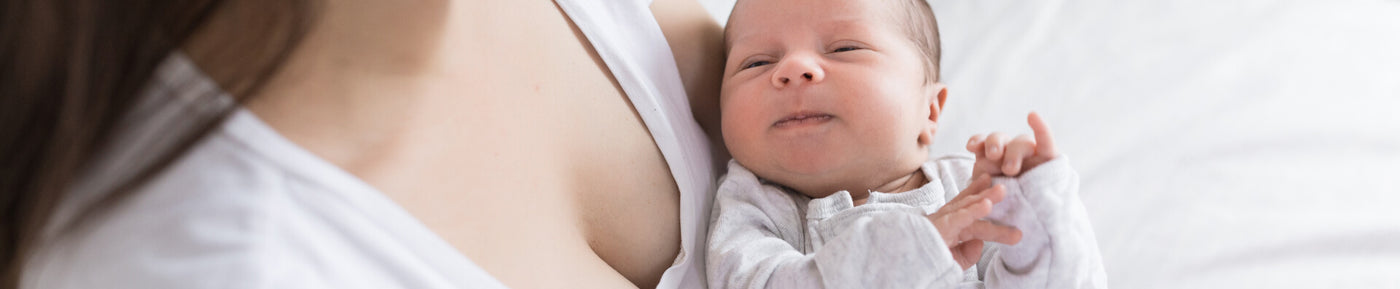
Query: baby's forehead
x,y
770,17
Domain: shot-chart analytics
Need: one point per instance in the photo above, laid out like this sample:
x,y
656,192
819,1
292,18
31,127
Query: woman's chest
x,y
552,171
547,167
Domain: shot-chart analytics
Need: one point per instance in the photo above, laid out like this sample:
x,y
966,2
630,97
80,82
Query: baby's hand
x,y
996,157
962,227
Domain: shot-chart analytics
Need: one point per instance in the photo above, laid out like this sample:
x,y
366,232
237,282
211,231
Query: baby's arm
x,y
1058,249
756,236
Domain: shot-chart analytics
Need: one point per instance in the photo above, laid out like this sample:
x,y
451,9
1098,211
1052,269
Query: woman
x,y
355,143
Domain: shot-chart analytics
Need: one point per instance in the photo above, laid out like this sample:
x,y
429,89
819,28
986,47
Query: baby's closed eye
x,y
845,48
755,63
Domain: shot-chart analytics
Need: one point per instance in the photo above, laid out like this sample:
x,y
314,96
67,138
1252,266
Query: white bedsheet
x,y
1221,144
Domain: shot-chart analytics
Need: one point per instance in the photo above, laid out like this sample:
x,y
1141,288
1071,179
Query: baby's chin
x,y
815,165
800,173
819,176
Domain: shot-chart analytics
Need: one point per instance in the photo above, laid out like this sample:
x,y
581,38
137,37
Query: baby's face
x,y
824,95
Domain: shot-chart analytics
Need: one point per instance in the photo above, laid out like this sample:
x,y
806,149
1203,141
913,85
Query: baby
x,y
829,108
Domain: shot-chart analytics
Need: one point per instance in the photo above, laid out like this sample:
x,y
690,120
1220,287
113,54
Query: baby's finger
x,y
967,215
995,146
1045,142
988,231
952,224
974,144
984,166
949,226
968,253
978,184
994,194
1021,147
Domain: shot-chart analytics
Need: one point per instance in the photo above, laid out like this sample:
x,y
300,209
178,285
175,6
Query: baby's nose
x,y
806,75
797,69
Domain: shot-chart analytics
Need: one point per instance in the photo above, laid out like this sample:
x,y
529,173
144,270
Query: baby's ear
x,y
937,94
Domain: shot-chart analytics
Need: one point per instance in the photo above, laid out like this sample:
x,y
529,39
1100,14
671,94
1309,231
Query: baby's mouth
x,y
800,118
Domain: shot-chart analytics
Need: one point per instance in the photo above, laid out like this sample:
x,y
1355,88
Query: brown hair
x,y
70,69
922,28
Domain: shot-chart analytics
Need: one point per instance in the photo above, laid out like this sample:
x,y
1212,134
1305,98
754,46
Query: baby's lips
x,y
802,116
806,120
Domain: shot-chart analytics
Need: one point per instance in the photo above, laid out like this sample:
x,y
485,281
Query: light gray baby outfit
x,y
763,236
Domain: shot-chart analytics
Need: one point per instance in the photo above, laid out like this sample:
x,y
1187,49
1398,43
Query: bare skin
x,y
495,124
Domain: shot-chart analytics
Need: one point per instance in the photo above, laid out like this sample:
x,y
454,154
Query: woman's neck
x,y
373,79
351,82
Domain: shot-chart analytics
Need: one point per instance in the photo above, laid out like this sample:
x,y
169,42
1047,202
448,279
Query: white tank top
x,y
627,37
247,208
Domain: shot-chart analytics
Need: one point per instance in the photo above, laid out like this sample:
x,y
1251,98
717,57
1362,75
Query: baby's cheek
x,y
740,132
895,139
731,118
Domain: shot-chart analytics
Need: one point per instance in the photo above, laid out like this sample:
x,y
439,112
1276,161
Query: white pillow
x,y
1221,144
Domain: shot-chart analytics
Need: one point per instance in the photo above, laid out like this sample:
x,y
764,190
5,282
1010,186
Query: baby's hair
x,y
922,28
919,24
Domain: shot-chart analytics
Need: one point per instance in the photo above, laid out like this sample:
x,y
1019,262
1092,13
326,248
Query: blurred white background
x,y
1220,144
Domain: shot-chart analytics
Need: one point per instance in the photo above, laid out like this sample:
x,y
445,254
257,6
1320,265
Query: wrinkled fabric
x,y
763,236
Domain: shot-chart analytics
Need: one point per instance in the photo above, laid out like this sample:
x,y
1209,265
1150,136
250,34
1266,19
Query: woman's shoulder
x,y
191,222
231,215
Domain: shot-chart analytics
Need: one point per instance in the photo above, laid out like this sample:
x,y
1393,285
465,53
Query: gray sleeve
x,y
749,248
1057,248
